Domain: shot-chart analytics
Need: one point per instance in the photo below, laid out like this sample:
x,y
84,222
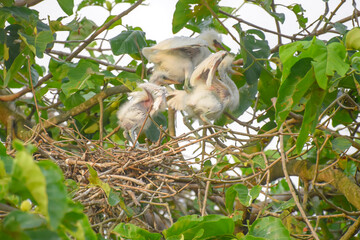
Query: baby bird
x,y
224,69
175,58
208,97
132,114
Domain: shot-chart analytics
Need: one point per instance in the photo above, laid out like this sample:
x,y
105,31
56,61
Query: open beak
x,y
219,46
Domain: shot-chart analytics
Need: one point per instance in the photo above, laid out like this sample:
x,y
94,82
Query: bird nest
x,y
149,187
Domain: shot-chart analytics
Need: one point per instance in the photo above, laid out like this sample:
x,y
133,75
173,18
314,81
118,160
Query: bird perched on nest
x,y
175,58
132,115
210,95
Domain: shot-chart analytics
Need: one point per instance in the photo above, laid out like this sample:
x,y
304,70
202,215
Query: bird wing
x,y
177,100
206,70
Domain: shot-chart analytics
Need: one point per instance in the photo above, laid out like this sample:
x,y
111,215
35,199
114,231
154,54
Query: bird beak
x,y
171,81
235,72
219,46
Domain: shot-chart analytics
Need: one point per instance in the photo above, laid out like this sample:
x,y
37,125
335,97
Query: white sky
x,y
155,16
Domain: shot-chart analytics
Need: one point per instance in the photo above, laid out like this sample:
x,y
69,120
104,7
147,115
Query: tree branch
x,y
113,66
85,105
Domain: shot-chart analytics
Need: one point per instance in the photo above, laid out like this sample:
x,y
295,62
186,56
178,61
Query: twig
x,y
291,187
353,229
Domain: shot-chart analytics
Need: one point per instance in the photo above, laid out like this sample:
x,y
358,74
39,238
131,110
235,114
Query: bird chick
x,y
132,115
220,62
225,68
177,57
206,99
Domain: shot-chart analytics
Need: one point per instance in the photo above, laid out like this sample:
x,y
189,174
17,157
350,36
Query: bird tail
x,y
176,100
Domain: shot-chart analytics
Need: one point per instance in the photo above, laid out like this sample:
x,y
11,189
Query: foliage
x,y
66,171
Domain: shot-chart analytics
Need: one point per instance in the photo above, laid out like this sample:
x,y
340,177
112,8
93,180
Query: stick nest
x,y
149,187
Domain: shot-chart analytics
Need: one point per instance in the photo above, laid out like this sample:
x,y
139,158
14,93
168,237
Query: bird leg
x,y
187,86
207,121
132,136
187,123
171,121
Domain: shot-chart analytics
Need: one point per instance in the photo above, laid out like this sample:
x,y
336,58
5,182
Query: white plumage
x,y
224,69
175,58
132,114
209,96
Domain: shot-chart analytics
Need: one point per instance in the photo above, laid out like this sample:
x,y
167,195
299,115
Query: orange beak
x,y
171,81
219,46
236,72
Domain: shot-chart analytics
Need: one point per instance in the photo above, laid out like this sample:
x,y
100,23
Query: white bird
x,y
208,97
175,58
132,114
222,84
224,69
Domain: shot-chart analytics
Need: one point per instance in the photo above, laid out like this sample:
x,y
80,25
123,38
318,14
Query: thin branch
x,y
353,229
291,187
113,66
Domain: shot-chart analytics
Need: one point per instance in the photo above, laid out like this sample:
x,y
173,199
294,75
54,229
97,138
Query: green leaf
x,y
285,205
86,3
266,92
293,88
153,132
247,94
270,228
182,15
6,159
14,69
195,227
38,43
299,13
84,230
94,179
67,6
131,231
310,120
129,42
266,5
18,220
113,198
80,30
253,46
29,173
117,23
242,192
79,77
56,192
342,117
340,144
336,59
326,59
341,28
41,42
59,69
42,233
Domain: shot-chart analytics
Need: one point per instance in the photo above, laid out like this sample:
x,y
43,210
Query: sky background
x,y
155,16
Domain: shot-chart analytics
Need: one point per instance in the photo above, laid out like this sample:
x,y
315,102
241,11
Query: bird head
x,y
212,38
227,66
162,78
156,96
206,70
